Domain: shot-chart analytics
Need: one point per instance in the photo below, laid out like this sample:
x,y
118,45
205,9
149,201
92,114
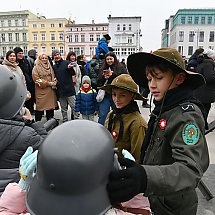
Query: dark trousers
x,y
39,114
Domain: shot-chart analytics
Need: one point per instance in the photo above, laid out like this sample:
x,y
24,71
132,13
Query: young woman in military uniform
x,y
174,154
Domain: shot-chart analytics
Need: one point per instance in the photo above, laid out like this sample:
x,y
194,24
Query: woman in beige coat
x,y
45,85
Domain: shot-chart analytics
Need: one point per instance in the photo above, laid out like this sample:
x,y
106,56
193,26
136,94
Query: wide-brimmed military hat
x,y
136,64
125,82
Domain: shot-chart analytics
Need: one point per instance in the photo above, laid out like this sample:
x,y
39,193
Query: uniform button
x,y
158,139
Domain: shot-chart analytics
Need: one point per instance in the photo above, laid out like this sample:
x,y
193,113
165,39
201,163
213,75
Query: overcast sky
x,y
153,12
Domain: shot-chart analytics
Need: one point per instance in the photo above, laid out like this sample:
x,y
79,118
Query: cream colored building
x,y
14,30
47,34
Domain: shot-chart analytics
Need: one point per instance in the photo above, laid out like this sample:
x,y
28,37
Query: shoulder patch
x,y
187,107
190,133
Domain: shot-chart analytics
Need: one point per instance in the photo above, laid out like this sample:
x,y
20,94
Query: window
x,y
52,25
77,29
92,29
35,37
196,20
118,27
70,38
16,22
52,37
34,25
96,29
77,50
60,25
97,37
76,38
11,47
203,20
123,27
180,49
191,36
9,23
4,50
117,51
211,47
181,36
117,39
124,51
17,37
24,36
82,50
189,20
42,25
23,22
129,27
91,37
43,37
210,20
61,37
3,37
190,50
211,36
92,51
61,49
2,23
82,38
183,20
10,37
201,36
43,49
25,50
129,39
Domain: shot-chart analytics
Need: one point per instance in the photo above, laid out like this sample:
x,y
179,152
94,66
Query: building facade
x,y
47,34
83,38
14,26
125,35
190,29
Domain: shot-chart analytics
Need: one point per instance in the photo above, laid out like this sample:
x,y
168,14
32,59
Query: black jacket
x,y
15,139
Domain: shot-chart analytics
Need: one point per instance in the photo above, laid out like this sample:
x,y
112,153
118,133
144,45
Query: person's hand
x,y
107,73
27,167
27,114
126,183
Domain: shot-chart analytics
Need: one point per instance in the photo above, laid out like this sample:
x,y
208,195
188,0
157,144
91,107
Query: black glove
x,y
127,183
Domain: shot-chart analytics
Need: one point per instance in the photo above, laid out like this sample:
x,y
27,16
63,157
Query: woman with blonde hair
x,y
45,85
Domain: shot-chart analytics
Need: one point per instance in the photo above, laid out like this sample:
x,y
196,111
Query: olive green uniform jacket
x,y
175,161
133,133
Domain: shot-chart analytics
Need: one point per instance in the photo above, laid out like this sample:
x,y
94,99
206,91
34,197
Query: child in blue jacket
x,y
86,102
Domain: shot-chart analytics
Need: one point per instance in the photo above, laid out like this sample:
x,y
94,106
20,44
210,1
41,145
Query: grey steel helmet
x,y
73,166
12,93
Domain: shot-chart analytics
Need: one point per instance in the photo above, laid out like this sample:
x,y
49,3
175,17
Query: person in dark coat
x,y
26,68
193,60
17,128
206,93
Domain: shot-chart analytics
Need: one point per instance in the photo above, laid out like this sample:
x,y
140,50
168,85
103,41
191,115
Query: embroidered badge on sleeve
x,y
190,133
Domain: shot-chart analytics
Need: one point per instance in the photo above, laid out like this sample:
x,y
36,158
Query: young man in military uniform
x,y
174,154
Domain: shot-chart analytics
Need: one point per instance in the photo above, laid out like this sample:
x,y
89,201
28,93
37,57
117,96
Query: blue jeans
x,y
104,108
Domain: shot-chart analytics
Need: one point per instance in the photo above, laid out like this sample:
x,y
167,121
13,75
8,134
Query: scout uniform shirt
x,y
178,154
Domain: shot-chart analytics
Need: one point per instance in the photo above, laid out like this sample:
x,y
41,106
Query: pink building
x,y
83,38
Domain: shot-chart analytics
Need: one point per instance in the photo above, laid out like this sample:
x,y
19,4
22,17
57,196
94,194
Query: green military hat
x,y
138,62
125,82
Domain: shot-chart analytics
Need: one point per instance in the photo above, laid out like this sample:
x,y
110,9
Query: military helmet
x,y
73,166
12,93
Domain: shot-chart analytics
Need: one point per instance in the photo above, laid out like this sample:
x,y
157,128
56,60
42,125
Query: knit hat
x,y
107,37
86,78
54,52
17,50
125,82
210,53
138,62
32,53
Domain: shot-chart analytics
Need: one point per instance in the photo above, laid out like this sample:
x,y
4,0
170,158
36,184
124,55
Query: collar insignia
x,y
114,134
162,124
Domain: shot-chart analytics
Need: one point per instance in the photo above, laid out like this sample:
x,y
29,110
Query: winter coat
x,y
93,72
86,102
102,49
65,86
206,93
46,98
12,202
192,63
15,138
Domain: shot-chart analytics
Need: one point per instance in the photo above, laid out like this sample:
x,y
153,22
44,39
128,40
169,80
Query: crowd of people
x,y
120,164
